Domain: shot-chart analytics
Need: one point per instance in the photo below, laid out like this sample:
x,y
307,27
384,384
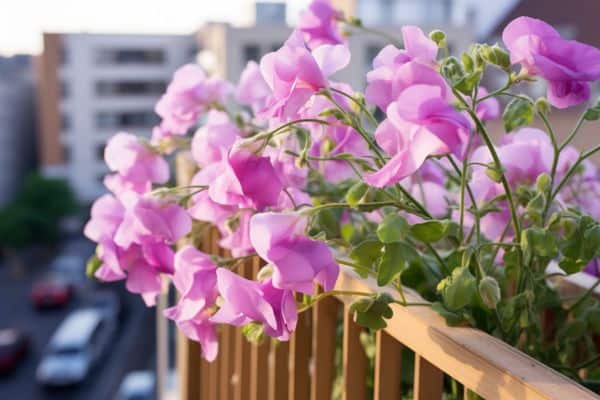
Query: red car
x,y
13,347
49,293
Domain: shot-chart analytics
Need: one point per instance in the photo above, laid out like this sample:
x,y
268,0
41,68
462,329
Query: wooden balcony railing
x,y
305,367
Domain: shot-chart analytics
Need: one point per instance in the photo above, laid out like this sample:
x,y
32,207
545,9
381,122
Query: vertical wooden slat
x,y
354,360
388,364
278,370
325,315
188,368
259,358
428,380
226,351
300,345
242,352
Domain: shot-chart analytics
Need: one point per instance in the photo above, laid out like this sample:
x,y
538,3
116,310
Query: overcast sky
x,y
23,21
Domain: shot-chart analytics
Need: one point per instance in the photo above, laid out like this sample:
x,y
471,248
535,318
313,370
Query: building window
x,y
126,119
65,122
370,54
100,152
130,56
130,88
251,53
64,90
66,153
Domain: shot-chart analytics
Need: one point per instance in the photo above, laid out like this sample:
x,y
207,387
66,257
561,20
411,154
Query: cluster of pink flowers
x,y
253,173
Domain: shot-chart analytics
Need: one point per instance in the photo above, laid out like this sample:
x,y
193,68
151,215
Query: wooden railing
x,y
305,367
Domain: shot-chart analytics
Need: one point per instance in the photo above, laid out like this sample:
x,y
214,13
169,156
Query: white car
x,y
75,348
137,385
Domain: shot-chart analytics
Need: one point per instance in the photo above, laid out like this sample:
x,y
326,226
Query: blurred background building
x,y
93,85
17,124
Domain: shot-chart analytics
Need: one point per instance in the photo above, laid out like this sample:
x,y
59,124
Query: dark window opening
x,y
130,56
130,88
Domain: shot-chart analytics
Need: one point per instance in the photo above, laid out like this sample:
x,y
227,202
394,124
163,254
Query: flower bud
x,y
495,55
489,290
542,106
439,37
265,272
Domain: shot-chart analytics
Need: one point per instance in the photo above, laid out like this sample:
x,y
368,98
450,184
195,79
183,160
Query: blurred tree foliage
x,y
33,217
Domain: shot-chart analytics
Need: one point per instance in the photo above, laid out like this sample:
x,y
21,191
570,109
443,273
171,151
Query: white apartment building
x,y
93,85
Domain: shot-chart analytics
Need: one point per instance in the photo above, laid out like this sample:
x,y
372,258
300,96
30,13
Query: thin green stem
x,y
585,296
373,31
573,169
573,133
360,105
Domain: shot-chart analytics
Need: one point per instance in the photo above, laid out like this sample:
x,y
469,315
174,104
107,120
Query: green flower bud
x,y
542,106
489,290
265,272
439,37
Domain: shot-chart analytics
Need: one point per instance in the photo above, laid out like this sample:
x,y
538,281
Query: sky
x,y
23,21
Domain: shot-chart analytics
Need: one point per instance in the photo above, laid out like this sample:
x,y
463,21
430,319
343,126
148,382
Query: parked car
x,y
75,348
51,291
14,345
137,385
70,268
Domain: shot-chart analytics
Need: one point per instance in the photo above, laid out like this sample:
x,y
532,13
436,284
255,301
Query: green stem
x,y
556,151
583,297
373,31
572,170
573,133
358,103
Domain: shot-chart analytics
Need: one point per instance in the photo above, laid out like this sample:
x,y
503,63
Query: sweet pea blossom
x,y
252,90
246,301
394,70
247,180
319,24
214,139
567,65
195,279
420,123
152,220
135,161
189,94
294,74
106,216
297,261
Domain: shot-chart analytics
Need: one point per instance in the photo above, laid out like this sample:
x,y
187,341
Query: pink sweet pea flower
x,y
189,94
319,24
252,90
237,238
488,109
134,161
390,75
152,220
106,216
246,301
294,74
121,185
420,123
214,139
297,261
386,83
246,181
195,279
568,66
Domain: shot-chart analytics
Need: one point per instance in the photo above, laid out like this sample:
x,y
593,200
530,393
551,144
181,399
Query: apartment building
x,y
226,48
93,85
16,124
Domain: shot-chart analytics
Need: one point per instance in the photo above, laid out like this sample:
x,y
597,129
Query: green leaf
x,y
452,318
430,231
392,262
92,265
519,112
459,289
538,242
371,312
593,113
392,229
254,332
367,252
357,193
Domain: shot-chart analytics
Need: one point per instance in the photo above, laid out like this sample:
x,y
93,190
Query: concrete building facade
x,y
93,85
